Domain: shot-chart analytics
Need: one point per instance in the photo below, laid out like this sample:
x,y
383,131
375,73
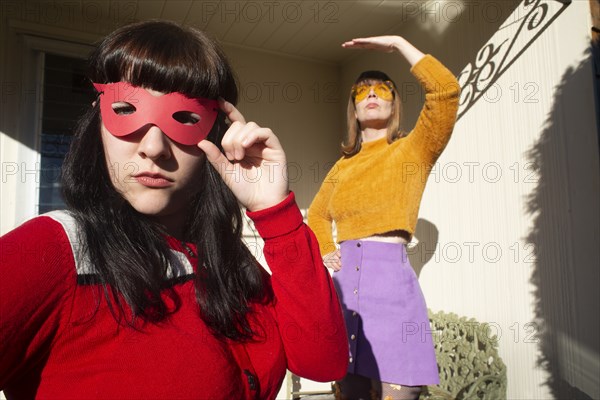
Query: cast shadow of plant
x,y
565,235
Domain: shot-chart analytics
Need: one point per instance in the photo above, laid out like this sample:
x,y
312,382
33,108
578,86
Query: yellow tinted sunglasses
x,y
384,90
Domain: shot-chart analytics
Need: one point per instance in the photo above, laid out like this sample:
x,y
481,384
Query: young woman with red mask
x,y
143,287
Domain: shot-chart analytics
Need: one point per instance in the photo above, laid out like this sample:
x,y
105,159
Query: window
x,y
66,94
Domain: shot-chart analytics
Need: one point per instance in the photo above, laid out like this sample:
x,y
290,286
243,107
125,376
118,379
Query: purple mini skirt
x,y
385,313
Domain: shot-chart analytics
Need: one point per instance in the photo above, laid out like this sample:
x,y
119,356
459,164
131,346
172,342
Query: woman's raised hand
x,y
388,44
381,43
254,164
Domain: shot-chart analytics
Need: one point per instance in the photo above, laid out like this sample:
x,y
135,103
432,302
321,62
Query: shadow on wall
x,y
427,235
564,208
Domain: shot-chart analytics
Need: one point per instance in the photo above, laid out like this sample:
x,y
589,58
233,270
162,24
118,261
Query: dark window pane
x,y
67,94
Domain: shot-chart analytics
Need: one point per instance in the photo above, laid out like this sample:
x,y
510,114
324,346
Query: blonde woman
x,y
373,195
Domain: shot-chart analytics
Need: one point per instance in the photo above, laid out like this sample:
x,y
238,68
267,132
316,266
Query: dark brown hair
x,y
165,57
128,250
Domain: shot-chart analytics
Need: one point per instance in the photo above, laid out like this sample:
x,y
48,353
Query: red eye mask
x,y
126,108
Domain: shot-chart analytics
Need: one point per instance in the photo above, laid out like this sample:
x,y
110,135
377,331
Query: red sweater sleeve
x,y
306,305
36,272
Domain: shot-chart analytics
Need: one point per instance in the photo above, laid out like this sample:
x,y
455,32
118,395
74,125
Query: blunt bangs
x,y
166,57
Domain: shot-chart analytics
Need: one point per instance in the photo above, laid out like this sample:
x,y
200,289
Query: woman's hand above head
x,y
254,163
380,43
387,44
333,260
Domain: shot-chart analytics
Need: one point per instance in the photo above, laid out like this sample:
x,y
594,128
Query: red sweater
x,y
59,340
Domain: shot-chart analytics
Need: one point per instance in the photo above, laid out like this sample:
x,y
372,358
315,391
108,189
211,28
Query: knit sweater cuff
x,y
433,75
278,220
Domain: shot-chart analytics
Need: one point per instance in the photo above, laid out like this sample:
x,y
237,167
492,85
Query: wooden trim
x,y
595,35
595,13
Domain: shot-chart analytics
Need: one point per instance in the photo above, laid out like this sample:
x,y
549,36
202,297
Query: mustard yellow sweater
x,y
379,189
